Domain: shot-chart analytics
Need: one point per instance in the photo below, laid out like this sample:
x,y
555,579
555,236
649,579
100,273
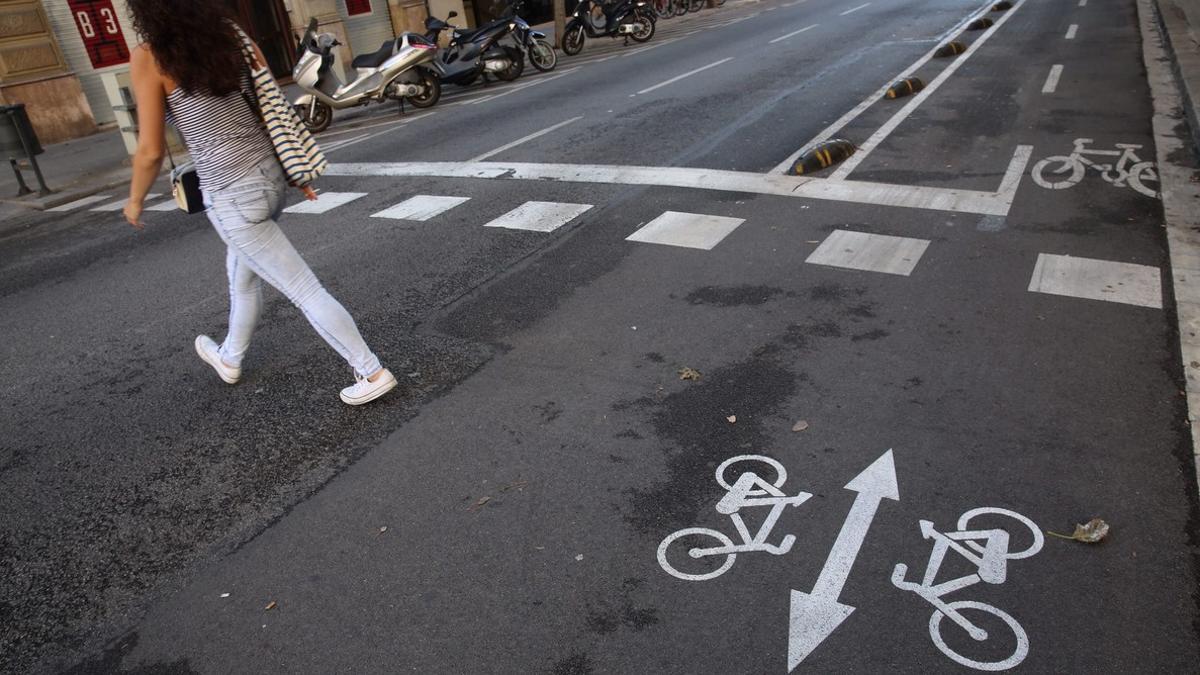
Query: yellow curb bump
x,y
1002,6
905,87
980,24
951,49
823,156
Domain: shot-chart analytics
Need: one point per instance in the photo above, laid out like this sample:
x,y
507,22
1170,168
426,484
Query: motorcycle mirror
x,y
312,24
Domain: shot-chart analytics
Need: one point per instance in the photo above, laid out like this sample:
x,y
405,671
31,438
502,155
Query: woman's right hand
x,y
309,193
133,214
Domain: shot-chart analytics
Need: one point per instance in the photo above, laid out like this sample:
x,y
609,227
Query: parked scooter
x,y
623,18
539,50
476,53
400,71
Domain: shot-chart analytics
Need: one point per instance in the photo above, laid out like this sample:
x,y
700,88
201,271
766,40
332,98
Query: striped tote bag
x,y
302,160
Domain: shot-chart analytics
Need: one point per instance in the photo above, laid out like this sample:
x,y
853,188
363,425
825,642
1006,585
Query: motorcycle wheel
x,y
681,7
515,68
542,55
644,35
573,39
322,116
696,5
433,91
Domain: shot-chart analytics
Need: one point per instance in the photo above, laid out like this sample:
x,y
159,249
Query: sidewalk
x,y
73,169
1180,25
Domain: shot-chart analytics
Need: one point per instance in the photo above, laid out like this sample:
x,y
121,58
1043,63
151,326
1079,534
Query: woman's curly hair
x,y
194,42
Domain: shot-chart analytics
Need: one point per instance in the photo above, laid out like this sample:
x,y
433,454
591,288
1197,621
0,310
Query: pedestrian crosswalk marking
x,y
689,230
326,201
869,252
168,205
421,207
1126,283
120,203
80,203
540,216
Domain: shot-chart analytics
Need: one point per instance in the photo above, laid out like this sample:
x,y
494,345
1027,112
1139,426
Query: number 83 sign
x,y
97,23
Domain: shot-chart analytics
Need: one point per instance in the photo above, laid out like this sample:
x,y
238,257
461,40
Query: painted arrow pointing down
x,y
815,615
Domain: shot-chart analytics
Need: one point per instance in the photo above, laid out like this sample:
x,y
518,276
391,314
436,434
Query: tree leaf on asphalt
x,y
479,504
800,426
689,374
517,485
1091,533
732,419
270,606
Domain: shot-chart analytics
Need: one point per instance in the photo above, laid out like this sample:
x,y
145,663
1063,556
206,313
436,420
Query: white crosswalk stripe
x,y
869,252
167,205
326,201
120,203
540,216
1091,279
689,230
80,203
421,207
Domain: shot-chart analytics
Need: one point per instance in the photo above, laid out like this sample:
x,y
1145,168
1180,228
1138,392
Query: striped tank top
x,y
224,135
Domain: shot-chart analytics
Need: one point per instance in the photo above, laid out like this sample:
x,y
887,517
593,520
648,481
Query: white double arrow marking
x,y
815,615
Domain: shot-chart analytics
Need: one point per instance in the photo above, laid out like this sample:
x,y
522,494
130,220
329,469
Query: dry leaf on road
x,y
800,426
731,419
270,606
1092,533
689,374
479,504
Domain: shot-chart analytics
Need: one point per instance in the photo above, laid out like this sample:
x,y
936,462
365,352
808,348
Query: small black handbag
x,y
185,185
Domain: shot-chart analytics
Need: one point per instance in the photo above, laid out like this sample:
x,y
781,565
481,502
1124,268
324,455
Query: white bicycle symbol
x,y
747,491
1129,169
988,551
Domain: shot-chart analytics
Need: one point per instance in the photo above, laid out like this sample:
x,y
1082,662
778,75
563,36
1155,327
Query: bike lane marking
x,y
793,34
525,139
677,78
815,615
1051,84
1091,279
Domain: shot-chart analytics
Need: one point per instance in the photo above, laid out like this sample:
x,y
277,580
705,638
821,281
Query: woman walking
x,y
192,68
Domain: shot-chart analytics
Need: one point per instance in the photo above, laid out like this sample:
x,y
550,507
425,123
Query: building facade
x,y
53,53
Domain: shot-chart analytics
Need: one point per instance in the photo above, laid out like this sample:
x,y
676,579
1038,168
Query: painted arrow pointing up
x,y
817,614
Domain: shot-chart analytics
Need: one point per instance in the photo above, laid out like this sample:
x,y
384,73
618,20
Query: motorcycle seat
x,y
471,34
375,59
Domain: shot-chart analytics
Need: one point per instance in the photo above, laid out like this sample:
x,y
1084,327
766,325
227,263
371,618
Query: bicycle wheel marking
x,y
1121,167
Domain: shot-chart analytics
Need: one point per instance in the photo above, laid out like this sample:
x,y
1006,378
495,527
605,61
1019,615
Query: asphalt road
x,y
505,510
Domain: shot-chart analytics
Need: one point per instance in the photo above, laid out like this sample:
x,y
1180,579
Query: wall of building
x,y
71,43
367,31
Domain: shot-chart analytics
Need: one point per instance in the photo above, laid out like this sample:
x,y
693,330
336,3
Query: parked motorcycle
x,y
624,18
540,51
475,53
401,70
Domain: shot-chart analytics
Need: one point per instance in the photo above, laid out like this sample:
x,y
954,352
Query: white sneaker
x,y
365,391
210,352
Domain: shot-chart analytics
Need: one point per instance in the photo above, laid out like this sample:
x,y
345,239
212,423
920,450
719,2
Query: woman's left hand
x,y
133,214
309,193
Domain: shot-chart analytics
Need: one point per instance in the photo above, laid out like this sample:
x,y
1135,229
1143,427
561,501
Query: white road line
x,y
327,201
120,203
851,11
168,205
1071,31
80,203
888,127
860,192
540,216
873,98
393,126
793,34
653,46
1052,79
687,230
677,78
526,139
869,252
1091,279
513,90
421,208
1083,3
334,145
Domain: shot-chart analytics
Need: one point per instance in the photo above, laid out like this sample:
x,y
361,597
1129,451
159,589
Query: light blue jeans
x,y
244,215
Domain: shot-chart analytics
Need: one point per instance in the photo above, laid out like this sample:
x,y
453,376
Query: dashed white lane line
x,y
1126,283
421,208
1083,3
888,127
793,34
540,216
526,139
869,252
688,230
120,203
80,203
1052,79
677,78
1071,30
326,201
855,9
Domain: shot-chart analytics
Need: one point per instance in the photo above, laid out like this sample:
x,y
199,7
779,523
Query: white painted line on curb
x,y
526,139
1052,79
677,78
1091,279
656,45
865,148
421,208
120,203
872,99
687,230
1071,30
391,126
869,252
513,90
80,203
851,11
793,34
327,201
540,216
